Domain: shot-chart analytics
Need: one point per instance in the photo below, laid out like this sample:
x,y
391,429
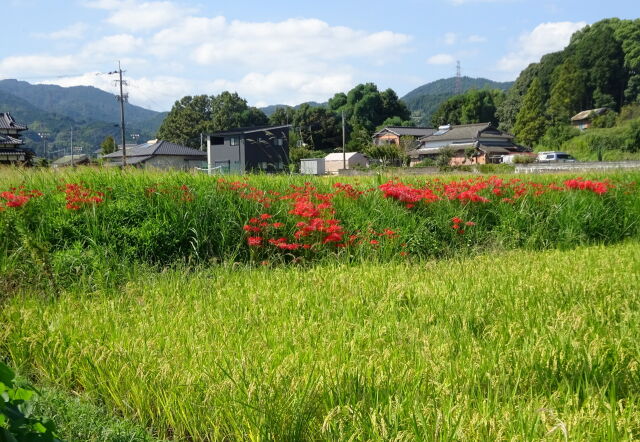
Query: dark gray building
x,y
159,154
249,149
11,150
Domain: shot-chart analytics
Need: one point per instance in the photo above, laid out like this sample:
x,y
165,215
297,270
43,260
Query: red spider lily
x,y
265,216
78,196
470,223
278,225
456,220
374,242
254,241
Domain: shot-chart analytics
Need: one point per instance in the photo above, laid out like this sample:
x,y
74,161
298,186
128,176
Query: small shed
x,y
582,120
312,166
335,161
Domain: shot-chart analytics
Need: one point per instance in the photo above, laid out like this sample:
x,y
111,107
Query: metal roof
x,y
67,159
7,122
410,131
247,130
587,113
160,147
130,161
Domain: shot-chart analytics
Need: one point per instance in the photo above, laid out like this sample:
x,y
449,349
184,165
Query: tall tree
x,y
530,122
108,145
475,106
567,92
191,116
319,127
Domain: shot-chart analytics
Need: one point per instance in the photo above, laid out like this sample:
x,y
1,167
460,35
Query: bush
x,y
523,159
496,168
555,136
427,162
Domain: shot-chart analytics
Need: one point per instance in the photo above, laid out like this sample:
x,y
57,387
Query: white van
x,y
555,157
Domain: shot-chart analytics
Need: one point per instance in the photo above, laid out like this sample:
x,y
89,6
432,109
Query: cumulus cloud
x,y
288,61
36,65
158,93
450,38
72,32
297,87
531,46
139,16
440,59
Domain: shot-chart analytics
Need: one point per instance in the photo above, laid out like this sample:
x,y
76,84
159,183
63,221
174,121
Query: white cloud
x,y
290,43
476,39
72,32
136,16
158,93
450,38
531,46
36,65
441,59
298,87
113,45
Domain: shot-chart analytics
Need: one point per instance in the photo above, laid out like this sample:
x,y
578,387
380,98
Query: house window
x,y
233,141
280,142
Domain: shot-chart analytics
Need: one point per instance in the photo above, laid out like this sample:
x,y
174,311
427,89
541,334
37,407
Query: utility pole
x,y
44,135
458,79
72,147
344,152
122,98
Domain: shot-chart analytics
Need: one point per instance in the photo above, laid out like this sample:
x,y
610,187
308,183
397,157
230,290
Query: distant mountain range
x,y
425,100
94,114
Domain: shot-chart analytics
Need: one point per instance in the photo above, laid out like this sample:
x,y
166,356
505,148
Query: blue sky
x,y
283,51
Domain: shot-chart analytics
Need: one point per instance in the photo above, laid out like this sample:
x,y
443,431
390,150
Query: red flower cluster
x,y
457,224
17,197
314,215
78,196
599,187
407,194
482,190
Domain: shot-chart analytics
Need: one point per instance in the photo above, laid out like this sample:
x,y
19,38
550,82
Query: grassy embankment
x,y
518,345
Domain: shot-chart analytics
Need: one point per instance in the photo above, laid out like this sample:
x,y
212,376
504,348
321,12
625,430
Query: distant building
x,y
11,150
480,143
392,134
71,160
336,161
582,120
249,149
159,154
312,166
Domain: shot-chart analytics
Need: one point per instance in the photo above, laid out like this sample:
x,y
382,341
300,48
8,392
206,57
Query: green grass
x,y
519,345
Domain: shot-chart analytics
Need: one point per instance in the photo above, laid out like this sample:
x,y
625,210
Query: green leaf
x,y
21,394
6,375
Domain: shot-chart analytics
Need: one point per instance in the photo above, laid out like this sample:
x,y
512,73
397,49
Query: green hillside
x,y
425,100
56,110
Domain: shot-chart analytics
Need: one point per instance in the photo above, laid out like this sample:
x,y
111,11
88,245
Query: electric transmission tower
x,y
458,89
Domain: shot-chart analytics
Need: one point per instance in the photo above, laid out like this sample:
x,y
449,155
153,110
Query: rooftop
x,y
8,122
247,130
587,113
410,131
157,147
466,132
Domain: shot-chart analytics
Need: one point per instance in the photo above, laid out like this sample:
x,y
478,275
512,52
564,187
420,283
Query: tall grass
x,y
145,219
520,345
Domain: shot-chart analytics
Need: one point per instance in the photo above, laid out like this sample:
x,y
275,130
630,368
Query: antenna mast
x,y
458,89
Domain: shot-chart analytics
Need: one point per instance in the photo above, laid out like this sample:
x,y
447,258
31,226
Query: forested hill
x,y
425,100
81,103
599,68
54,109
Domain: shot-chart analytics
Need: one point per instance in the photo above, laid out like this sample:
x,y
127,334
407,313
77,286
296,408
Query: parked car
x,y
555,157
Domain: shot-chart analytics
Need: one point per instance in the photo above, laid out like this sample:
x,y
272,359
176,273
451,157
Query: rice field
x,y
289,308
520,345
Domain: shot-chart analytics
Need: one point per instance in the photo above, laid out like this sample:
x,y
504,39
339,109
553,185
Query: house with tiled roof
x,y
159,154
393,134
480,143
11,150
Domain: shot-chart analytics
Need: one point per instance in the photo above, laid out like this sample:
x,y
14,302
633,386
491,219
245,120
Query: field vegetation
x,y
291,308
